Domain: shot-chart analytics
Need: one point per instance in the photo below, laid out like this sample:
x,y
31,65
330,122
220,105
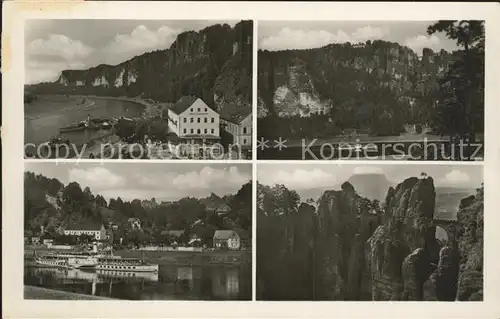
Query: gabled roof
x,y
235,115
89,227
224,234
183,104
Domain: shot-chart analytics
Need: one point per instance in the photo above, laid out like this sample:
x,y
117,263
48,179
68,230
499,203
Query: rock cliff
x,y
302,82
214,63
470,241
350,248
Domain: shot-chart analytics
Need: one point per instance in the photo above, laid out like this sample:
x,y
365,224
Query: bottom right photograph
x,y
370,232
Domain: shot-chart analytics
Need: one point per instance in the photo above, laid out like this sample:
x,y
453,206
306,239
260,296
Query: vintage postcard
x,y
250,160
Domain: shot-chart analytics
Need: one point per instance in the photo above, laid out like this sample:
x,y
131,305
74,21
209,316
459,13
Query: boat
x,y
122,264
70,261
81,126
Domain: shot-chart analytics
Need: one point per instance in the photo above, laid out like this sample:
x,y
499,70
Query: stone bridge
x,y
449,226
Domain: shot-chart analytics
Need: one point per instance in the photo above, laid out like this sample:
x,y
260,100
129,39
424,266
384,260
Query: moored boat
x,y
74,127
72,261
117,263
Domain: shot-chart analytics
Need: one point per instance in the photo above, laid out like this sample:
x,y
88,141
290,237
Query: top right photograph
x,y
361,90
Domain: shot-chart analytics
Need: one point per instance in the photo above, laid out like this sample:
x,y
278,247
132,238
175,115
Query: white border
x,y
15,12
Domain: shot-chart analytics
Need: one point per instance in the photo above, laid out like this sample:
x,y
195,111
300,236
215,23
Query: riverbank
x,y
33,292
204,258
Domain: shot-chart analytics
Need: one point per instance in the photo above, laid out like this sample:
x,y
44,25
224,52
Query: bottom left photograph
x,y
134,231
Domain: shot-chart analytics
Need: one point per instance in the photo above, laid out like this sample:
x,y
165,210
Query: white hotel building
x,y
193,121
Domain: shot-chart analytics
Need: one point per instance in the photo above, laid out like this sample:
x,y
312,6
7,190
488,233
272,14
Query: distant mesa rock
x,y
214,64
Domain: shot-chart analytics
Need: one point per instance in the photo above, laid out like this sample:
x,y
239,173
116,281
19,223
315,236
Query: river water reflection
x,y
44,117
170,283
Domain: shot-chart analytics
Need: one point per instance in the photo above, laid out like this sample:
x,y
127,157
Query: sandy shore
x,y
32,292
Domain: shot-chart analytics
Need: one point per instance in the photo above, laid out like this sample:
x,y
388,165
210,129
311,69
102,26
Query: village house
x,y
239,126
97,231
193,121
226,239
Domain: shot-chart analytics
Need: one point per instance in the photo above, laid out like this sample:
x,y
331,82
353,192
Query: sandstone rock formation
x,y
302,82
350,249
214,64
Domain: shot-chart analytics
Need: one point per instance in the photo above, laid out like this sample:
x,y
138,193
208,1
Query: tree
x,y
461,106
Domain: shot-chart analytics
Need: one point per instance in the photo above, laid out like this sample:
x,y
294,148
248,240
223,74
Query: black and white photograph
x,y
136,231
350,232
385,90
140,89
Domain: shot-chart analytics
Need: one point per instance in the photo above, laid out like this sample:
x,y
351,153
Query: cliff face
x,y
301,82
214,64
344,222
349,248
403,249
470,241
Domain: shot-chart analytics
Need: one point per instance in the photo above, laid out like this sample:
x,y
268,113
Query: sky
x,y
163,181
55,45
307,176
282,35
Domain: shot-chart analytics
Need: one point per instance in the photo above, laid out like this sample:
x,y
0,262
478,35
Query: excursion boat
x,y
71,261
117,263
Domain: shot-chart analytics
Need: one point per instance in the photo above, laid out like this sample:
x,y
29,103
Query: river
x,y
44,116
170,283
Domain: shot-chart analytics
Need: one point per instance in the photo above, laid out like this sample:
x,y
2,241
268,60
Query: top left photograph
x,y
138,89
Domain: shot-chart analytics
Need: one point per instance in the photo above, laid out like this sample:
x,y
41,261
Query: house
x,y
239,126
193,121
95,230
226,239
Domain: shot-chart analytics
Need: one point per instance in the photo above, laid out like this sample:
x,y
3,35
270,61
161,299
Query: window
x,y
212,120
199,131
192,120
244,141
205,120
199,120
199,110
185,119
244,130
205,109
212,131
185,131
205,131
192,110
192,131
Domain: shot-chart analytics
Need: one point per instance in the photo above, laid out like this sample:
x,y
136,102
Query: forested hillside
x,y
54,206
